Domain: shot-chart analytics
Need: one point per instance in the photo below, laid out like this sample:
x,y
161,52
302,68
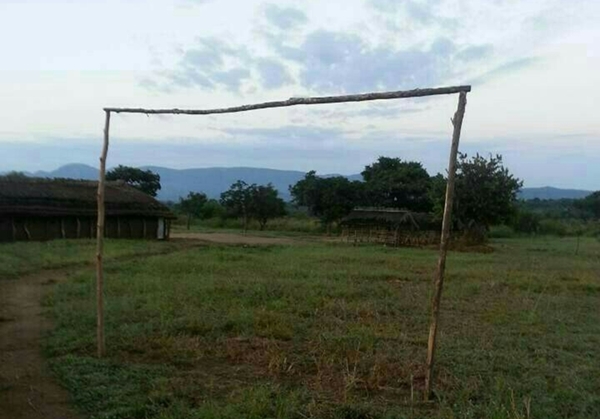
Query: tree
x,y
306,193
525,221
14,175
144,180
212,209
485,192
236,201
393,183
339,197
330,199
192,205
437,194
590,204
261,203
265,203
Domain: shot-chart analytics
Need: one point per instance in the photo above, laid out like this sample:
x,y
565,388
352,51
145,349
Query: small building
x,y
389,226
46,209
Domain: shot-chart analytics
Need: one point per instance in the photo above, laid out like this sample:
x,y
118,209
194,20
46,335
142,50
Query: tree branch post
x,y
100,244
444,241
295,101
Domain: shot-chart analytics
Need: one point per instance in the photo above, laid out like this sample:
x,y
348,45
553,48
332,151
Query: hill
x,y
548,192
214,180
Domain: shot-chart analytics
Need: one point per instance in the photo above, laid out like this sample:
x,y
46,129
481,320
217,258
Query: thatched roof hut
x,y
391,218
389,226
44,209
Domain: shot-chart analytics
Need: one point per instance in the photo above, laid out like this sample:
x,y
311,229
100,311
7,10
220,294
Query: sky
x,y
534,66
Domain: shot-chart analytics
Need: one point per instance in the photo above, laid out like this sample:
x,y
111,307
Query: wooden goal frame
x,y
457,122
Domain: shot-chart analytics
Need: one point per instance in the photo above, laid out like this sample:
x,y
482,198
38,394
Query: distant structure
x,y
47,209
389,226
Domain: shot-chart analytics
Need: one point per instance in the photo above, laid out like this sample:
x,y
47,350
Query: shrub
x,y
501,232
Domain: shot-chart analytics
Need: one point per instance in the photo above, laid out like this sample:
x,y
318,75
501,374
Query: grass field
x,y
17,259
331,331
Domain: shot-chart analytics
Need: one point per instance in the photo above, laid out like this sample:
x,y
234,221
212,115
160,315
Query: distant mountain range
x,y
212,181
548,192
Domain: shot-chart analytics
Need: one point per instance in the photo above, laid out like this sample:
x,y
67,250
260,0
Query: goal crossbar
x,y
295,101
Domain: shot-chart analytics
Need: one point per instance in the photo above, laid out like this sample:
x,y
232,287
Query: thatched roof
x,y
390,217
66,197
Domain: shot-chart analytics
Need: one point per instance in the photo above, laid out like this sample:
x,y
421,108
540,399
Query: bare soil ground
x,y
232,238
27,389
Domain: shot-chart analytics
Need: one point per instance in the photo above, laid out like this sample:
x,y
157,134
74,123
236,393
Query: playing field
x,y
306,329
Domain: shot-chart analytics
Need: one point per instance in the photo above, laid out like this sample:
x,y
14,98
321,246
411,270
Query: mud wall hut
x,y
47,209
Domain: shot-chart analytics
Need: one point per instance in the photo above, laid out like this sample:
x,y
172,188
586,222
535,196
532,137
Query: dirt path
x,y
232,238
27,390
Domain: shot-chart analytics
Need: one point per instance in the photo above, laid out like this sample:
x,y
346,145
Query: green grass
x,y
334,331
20,258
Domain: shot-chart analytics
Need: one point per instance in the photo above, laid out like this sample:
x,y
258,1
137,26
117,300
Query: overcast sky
x,y
534,66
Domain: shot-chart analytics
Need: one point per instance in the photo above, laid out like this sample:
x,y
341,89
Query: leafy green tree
x,y
330,198
526,221
339,197
306,193
437,194
144,180
590,204
485,192
212,209
193,206
393,183
265,204
236,201
14,175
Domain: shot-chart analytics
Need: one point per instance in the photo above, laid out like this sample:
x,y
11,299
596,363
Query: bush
x,y
501,232
554,227
526,222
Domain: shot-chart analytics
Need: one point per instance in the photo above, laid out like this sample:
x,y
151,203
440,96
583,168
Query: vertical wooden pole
x,y
26,230
100,244
447,220
78,228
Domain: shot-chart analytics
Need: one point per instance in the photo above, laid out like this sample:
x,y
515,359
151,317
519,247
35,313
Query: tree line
x,y
485,191
486,194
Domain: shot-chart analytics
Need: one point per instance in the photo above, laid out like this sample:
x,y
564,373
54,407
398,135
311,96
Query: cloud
x,y
342,62
195,2
273,74
333,62
504,69
209,64
213,64
474,53
373,111
284,18
297,134
421,11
